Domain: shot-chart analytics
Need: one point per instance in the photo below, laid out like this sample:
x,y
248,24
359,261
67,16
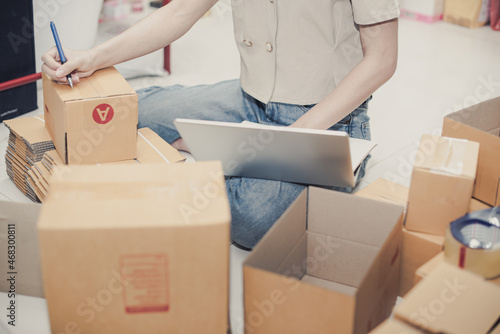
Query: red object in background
x,y
166,50
495,15
20,81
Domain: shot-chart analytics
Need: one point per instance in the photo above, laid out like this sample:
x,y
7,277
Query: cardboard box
x,y
140,248
393,326
481,123
385,190
18,58
448,301
417,249
330,264
441,183
467,13
18,220
476,205
96,121
451,301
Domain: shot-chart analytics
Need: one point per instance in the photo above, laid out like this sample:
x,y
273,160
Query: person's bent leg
x,y
160,106
256,204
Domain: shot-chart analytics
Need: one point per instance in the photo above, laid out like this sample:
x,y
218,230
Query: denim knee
x,y
256,205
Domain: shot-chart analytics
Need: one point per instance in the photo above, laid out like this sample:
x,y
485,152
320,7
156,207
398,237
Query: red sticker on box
x,y
147,278
103,113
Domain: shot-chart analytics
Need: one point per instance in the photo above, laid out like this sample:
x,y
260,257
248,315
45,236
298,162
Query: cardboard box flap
x,y
103,83
350,217
27,265
188,194
452,301
482,116
392,326
448,155
288,230
342,261
329,285
385,190
293,265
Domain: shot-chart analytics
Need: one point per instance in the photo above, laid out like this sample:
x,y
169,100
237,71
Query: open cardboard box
x,y
442,182
481,123
329,264
26,263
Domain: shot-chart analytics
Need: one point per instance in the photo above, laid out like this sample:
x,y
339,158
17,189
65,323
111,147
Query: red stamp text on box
x,y
147,280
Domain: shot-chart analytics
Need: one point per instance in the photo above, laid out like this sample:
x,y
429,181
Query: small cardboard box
x,y
441,184
96,121
481,123
18,226
451,301
467,13
141,248
417,249
330,264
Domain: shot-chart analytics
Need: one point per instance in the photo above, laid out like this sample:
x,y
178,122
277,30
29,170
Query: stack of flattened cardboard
x,y
150,149
31,155
28,141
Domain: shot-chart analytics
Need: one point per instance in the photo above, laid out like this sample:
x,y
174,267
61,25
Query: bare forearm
x,y
154,32
356,87
380,53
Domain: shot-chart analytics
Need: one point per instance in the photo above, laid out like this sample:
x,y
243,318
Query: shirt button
x,y
271,1
269,47
247,42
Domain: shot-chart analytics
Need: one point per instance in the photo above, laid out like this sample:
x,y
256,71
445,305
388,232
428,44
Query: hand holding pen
x,y
62,65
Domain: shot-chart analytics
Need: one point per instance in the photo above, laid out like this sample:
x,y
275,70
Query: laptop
x,y
307,156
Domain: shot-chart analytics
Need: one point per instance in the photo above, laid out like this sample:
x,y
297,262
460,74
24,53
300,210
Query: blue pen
x,y
60,50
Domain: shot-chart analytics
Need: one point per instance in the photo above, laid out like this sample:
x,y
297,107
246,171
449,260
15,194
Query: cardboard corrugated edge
x,y
30,129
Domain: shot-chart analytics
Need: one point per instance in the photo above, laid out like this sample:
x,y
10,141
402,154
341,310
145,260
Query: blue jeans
x,y
255,203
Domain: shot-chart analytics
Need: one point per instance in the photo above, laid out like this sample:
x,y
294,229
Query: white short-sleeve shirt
x,y
298,51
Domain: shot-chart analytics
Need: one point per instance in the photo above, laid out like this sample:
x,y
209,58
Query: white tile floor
x,y
442,68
